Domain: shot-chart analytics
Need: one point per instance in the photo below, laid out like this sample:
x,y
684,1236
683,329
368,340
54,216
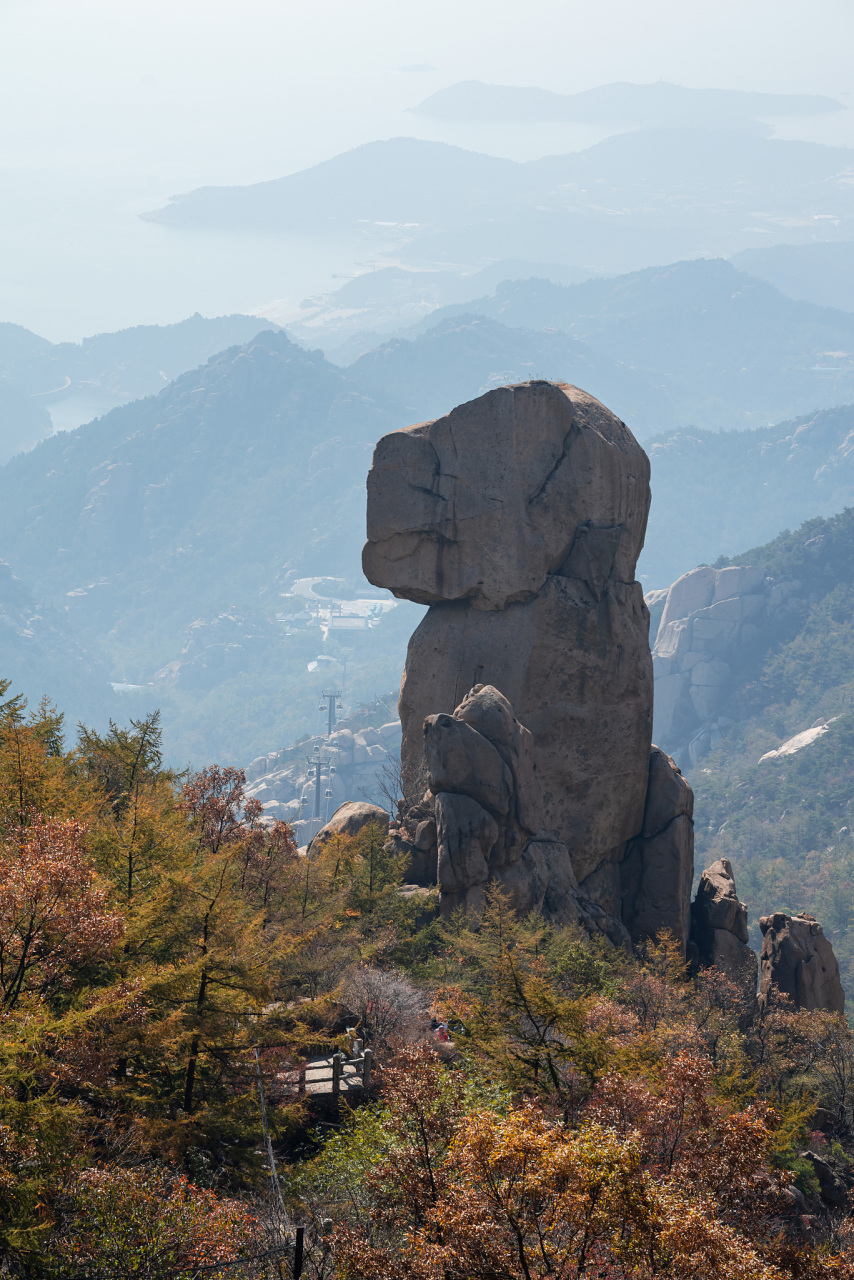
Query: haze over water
x,y
110,110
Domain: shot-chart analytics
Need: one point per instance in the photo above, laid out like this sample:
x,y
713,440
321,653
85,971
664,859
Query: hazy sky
x,y
111,106
225,91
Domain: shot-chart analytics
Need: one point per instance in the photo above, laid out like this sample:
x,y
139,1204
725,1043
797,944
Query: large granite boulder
x,y
719,926
348,820
519,518
798,960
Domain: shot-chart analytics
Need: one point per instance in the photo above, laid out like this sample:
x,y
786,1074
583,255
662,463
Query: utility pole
x,y
317,764
332,697
346,655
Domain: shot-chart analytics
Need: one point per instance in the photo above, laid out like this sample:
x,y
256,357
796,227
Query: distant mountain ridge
x,y
176,515
634,198
356,316
271,428
617,103
464,355
721,348
822,273
100,372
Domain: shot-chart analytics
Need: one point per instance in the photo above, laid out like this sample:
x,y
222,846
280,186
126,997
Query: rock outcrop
x,y
658,867
481,820
356,761
798,960
719,925
348,820
519,518
833,1188
712,624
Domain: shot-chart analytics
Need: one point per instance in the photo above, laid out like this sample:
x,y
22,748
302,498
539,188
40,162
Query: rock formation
x,y
481,820
519,518
719,925
798,960
658,866
348,820
711,624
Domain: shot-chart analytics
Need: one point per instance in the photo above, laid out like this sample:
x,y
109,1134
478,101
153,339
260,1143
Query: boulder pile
x,y
356,762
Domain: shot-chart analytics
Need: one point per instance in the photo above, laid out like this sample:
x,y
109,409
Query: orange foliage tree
x,y
54,917
150,1222
651,1182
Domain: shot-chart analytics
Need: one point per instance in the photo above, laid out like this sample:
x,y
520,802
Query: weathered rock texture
x,y
713,623
719,925
798,960
658,868
348,820
487,818
519,518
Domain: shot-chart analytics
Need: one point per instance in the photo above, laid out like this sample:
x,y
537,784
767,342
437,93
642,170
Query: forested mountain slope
x,y
786,822
171,525
213,489
721,348
78,380
723,489
164,532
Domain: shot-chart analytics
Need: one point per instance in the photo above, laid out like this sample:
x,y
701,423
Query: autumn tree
x,y
138,820
149,1222
36,774
54,917
647,1184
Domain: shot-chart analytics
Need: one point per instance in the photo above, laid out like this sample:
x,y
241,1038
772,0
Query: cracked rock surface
x,y
719,925
658,869
518,518
798,960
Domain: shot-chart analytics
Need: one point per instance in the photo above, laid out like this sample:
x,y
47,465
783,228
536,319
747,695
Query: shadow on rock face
x,y
519,518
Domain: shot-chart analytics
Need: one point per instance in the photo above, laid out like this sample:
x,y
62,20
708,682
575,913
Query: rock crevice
x,y
545,496
519,518
484,820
